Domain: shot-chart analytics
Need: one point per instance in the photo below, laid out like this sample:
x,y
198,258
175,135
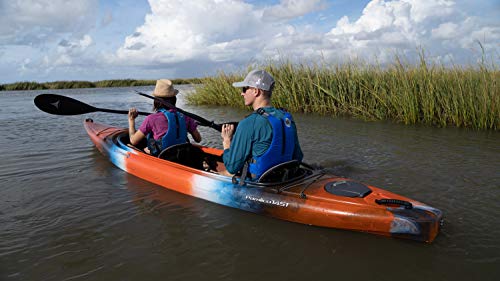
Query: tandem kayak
x,y
311,196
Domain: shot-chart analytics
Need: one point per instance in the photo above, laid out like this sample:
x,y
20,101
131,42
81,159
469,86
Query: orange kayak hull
x,y
311,199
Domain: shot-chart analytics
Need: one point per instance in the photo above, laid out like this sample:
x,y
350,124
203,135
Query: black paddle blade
x,y
61,105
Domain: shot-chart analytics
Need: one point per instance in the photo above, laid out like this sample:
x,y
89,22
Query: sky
x,y
54,40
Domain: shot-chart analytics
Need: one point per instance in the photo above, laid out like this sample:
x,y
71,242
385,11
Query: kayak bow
x,y
314,198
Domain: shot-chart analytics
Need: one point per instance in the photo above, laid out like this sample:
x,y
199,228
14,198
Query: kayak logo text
x,y
267,201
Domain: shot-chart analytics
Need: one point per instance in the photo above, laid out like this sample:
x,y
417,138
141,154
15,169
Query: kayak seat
x,y
185,154
124,140
281,172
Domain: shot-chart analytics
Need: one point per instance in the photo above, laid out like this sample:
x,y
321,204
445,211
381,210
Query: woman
x,y
165,127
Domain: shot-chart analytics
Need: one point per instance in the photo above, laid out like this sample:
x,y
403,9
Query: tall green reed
x,y
409,93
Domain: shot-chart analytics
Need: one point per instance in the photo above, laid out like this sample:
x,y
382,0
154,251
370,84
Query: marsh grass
x,y
408,93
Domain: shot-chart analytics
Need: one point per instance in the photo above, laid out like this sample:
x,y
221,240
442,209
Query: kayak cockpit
x,y
210,160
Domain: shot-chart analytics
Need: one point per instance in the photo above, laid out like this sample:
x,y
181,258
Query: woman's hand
x,y
132,113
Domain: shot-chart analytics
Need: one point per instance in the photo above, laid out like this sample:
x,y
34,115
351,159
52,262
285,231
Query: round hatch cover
x,y
347,188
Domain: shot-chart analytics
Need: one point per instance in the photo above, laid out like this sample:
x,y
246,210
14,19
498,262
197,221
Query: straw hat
x,y
164,89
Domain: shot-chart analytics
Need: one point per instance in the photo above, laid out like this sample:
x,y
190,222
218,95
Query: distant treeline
x,y
25,86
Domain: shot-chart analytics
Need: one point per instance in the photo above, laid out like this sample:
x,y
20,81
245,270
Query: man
x,y
265,138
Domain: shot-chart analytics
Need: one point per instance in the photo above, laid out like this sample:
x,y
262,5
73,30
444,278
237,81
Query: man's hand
x,y
227,135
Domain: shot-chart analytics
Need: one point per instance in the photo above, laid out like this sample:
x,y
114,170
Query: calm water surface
x,y
66,213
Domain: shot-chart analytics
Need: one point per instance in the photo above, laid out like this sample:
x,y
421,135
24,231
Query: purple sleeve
x,y
146,126
191,125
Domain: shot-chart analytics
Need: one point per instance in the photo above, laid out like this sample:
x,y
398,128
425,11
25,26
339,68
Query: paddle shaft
x,y
202,121
118,111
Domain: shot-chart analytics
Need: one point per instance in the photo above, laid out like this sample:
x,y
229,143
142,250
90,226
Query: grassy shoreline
x,y
26,86
411,94
460,96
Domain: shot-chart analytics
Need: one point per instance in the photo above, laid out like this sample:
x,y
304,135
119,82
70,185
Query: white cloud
x,y
29,22
194,37
488,36
389,27
62,60
68,51
221,31
447,30
425,10
289,9
183,30
75,47
235,32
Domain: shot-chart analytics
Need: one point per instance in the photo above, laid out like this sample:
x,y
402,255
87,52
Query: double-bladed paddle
x,y
62,105
202,121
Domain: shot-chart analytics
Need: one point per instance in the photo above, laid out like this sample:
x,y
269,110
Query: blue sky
x,y
49,40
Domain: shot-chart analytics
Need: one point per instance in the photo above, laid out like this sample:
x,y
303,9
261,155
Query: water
x,y
66,213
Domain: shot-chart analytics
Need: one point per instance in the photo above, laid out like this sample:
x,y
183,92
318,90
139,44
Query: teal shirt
x,y
252,138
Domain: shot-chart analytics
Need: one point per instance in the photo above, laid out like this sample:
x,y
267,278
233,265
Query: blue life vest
x,y
176,132
282,144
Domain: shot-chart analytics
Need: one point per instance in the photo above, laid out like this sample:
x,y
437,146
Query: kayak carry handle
x,y
406,204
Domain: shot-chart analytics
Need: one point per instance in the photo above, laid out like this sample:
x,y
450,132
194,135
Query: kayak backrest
x,y
185,154
281,172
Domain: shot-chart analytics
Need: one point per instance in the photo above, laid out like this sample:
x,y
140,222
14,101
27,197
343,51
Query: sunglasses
x,y
244,89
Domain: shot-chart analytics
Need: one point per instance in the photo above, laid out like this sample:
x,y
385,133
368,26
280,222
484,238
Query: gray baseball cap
x,y
257,79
